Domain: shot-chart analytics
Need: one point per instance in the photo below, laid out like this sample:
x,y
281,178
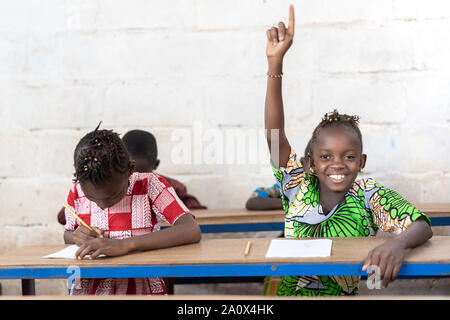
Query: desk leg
x,y
169,285
28,288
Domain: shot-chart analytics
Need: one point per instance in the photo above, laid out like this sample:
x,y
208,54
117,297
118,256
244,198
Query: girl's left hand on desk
x,y
388,257
98,246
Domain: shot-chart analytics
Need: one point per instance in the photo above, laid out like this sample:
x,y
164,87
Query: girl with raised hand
x,y
325,199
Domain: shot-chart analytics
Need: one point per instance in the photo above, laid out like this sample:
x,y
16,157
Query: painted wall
x,y
194,73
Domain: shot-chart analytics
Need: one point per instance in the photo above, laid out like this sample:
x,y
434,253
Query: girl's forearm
x,y
279,40
260,203
183,232
274,116
415,235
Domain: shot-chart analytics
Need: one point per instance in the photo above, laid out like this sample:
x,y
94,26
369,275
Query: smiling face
x,y
337,158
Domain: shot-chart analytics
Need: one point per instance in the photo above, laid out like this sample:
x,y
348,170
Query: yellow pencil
x,y
76,216
247,249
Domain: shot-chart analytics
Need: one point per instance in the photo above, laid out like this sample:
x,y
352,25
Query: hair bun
x,y
336,116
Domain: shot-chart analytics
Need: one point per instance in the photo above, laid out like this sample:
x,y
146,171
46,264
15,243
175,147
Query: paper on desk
x,y
67,253
299,248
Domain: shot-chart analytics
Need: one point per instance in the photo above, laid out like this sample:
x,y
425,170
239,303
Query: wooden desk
x,y
223,258
438,212
243,220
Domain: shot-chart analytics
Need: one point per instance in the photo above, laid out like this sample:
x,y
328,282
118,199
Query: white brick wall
x,y
164,65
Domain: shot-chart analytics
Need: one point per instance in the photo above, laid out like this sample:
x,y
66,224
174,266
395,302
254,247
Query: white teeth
x,y
337,176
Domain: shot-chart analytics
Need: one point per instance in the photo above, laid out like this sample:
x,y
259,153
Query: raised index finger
x,y
291,25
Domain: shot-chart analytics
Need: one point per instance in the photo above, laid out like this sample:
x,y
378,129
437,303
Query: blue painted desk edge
x,y
217,270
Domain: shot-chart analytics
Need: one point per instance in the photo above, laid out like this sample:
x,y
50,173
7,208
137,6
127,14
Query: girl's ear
x,y
362,161
309,163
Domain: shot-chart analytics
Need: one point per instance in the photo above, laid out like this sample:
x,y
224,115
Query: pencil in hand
x,y
77,217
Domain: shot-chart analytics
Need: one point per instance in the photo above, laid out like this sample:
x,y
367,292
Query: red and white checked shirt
x,y
149,199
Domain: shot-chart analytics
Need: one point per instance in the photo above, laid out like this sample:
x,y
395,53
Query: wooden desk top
x,y
434,209
227,251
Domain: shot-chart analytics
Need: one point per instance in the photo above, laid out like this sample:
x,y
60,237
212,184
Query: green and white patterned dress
x,y
367,207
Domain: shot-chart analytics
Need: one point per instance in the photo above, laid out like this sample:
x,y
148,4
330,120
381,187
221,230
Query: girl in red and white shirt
x,y
124,209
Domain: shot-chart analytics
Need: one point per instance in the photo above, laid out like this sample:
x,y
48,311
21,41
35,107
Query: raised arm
x,y
279,41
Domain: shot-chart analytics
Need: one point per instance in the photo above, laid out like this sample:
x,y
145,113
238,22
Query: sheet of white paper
x,y
299,248
67,253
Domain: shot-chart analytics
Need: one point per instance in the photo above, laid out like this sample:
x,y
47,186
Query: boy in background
x,y
142,147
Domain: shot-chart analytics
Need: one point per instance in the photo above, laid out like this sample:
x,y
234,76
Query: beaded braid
x,y
99,155
333,119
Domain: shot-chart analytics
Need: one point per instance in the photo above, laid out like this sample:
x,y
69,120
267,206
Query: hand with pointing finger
x,y
279,39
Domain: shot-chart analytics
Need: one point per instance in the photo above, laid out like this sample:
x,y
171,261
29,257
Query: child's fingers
x,y
93,233
291,25
366,264
83,230
274,35
81,234
79,251
98,232
395,271
281,31
87,250
367,261
381,262
373,259
83,251
96,253
387,276
269,37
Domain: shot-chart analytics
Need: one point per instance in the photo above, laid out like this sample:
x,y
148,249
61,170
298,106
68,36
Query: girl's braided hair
x,y
335,119
99,155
